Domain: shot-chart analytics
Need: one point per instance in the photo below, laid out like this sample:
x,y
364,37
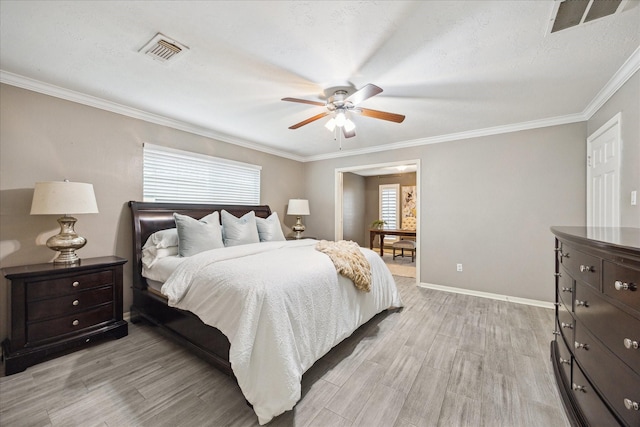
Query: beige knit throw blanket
x,y
349,261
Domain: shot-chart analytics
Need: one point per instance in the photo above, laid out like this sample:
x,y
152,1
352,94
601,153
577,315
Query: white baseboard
x,y
526,301
126,316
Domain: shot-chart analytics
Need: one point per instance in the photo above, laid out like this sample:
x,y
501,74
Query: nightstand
x,y
55,309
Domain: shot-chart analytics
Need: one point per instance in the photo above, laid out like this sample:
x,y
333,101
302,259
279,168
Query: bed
x,y
273,306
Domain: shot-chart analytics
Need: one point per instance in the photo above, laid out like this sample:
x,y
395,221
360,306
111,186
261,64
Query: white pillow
x,y
152,254
163,239
269,229
195,236
239,231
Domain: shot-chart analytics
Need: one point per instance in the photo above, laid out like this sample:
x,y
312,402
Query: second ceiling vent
x,y
569,13
163,49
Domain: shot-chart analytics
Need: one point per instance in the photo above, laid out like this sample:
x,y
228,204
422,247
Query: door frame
x,y
615,121
339,232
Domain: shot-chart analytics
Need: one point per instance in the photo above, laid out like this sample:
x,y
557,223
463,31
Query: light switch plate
x,y
634,198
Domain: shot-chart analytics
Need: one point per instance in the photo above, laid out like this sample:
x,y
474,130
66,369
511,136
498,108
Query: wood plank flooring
x,y
444,360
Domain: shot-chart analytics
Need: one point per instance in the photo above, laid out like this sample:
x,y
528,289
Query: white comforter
x,y
282,305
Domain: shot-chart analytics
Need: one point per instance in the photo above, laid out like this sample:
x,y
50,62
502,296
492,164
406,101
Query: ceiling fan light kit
x,y
342,103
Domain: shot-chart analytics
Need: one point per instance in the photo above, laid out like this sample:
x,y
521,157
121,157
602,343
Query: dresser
x,y
54,309
595,353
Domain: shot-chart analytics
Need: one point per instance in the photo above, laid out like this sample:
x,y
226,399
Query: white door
x,y
603,175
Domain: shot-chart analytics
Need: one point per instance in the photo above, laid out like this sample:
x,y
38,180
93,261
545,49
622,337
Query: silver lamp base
x,y
298,227
66,242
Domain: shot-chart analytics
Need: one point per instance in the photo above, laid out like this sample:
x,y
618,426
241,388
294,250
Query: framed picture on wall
x,y
409,201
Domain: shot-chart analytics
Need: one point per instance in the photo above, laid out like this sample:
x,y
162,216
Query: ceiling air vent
x,y
163,49
569,13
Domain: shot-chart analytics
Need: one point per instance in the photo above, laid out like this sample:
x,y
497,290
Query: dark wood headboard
x,y
151,217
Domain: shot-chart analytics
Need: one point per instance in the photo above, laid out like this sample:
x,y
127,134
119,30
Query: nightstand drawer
x,y
68,284
68,304
40,331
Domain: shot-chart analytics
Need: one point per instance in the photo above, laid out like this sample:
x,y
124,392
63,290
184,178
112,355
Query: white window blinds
x,y
178,176
389,205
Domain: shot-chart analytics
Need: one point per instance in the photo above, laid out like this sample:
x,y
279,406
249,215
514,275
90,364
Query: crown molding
x,y
624,73
495,130
92,101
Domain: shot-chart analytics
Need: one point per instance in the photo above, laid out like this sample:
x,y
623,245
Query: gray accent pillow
x,y
269,229
195,236
239,231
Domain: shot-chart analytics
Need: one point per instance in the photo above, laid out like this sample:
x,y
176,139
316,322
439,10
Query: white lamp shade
x,y
57,198
298,207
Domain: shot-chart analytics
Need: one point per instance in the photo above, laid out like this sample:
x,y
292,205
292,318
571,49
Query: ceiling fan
x,y
341,103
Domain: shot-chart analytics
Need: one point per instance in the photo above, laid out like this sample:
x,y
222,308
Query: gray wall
x,y
627,101
353,208
484,202
43,138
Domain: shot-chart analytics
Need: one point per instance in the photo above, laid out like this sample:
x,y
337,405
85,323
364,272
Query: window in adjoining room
x,y
177,176
389,199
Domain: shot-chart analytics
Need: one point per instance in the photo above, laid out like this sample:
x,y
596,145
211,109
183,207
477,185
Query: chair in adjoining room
x,y
408,223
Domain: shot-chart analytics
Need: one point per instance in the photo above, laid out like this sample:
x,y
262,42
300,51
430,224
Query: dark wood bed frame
x,y
182,326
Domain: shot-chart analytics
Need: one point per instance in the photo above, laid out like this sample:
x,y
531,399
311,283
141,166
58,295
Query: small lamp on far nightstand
x,y
298,207
64,198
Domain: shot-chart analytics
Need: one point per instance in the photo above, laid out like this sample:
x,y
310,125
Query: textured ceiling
x,y
449,66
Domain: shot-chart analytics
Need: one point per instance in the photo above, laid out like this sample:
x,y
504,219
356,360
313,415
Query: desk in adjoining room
x,y
373,232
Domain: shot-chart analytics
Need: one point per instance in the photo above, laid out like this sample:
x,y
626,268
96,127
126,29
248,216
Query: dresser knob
x,y
75,302
623,286
630,344
556,332
631,405
579,345
557,274
577,387
75,322
565,361
566,290
75,284
582,303
566,325
586,268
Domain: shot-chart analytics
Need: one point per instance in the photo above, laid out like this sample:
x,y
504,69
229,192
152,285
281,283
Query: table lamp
x,y
298,207
64,198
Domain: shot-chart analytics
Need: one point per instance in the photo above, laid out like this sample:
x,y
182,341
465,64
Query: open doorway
x,y
356,207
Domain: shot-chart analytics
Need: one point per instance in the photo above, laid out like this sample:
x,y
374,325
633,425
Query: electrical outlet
x,y
458,267
634,199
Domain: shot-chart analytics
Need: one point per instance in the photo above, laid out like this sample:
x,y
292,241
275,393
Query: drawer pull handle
x,y
631,405
565,361
577,387
631,344
75,284
75,322
579,345
623,286
586,268
566,290
567,325
556,332
582,303
557,274
75,302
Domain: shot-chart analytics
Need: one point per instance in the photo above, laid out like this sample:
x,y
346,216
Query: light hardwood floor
x,y
444,360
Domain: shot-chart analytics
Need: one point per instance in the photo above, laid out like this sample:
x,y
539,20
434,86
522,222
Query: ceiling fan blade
x,y
309,120
365,93
348,134
397,118
304,101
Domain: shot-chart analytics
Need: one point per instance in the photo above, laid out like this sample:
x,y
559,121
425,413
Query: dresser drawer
x,y
617,382
77,322
564,358
68,284
68,304
593,408
566,288
621,283
566,324
582,266
609,324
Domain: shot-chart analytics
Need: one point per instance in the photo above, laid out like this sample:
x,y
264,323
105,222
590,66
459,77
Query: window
x,y
390,208
179,176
